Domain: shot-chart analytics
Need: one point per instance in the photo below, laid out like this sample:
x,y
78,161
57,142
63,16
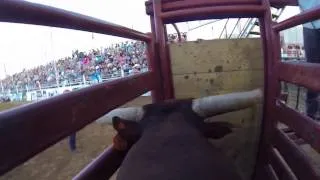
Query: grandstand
x,y
79,70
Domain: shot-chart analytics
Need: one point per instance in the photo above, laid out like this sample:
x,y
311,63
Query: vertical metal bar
x,y
271,87
165,64
156,93
276,60
298,99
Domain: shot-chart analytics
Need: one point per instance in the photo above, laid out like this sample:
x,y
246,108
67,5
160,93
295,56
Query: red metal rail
x,y
303,125
28,130
306,16
281,167
298,161
189,4
304,74
270,92
213,12
56,118
162,50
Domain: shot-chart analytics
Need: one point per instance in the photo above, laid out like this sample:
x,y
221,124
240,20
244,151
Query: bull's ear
x,y
129,130
217,130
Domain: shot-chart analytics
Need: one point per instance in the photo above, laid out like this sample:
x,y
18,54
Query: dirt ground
x,y
57,162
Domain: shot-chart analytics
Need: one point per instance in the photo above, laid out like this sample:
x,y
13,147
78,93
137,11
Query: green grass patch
x,y
9,105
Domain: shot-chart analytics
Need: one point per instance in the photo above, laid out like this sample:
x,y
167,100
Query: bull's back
x,y
183,154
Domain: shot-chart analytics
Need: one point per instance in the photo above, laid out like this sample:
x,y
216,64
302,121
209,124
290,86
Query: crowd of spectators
x,y
95,65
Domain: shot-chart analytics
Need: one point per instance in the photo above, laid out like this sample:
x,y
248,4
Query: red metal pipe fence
x,y
297,164
306,16
28,130
215,12
172,5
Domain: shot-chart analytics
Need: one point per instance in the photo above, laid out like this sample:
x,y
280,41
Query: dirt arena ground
x,y
57,162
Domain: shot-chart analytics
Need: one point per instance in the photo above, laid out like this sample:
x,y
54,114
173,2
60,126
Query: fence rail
x,y
57,117
306,16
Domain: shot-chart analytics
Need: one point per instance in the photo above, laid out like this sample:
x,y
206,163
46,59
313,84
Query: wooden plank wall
x,y
210,67
204,68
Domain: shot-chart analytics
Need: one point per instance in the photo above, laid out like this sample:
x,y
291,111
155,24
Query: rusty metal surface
x,y
31,13
28,130
306,16
303,125
281,168
104,166
215,12
299,162
304,74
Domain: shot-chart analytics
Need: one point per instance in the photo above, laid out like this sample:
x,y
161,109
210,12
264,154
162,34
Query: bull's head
x,y
131,122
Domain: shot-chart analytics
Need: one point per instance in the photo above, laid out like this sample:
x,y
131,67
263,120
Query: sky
x,y
26,46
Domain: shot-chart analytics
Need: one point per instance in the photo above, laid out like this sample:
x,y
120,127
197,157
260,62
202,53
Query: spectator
x,y
72,137
311,33
94,64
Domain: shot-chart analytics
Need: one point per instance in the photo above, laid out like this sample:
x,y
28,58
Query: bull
x,y
169,139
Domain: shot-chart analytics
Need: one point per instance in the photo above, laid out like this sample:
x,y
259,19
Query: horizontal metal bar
x,y
17,11
177,5
303,74
306,16
304,126
30,129
104,166
184,4
283,3
216,12
281,168
298,161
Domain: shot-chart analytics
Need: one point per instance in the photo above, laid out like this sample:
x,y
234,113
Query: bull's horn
x,y
130,114
214,105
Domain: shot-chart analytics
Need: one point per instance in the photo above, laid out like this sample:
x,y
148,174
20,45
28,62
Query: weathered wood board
x,y
213,67
216,56
204,84
204,68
